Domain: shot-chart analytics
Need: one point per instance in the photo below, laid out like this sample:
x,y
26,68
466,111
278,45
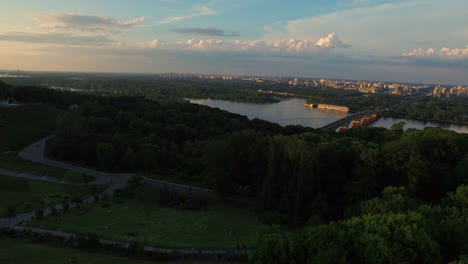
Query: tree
x,y
129,159
105,156
39,213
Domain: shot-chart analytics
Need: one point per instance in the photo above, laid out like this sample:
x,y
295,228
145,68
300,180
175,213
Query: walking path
x,y
178,252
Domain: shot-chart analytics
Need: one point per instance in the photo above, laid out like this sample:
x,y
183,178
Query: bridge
x,y
348,119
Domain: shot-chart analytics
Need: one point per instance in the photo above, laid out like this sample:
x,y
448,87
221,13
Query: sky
x,y
383,40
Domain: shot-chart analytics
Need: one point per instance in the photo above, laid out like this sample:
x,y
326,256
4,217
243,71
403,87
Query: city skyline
x,y
418,41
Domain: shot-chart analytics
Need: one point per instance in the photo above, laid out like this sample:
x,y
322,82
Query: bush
x,y
77,200
74,176
11,210
39,213
53,210
90,241
135,249
28,207
273,218
66,206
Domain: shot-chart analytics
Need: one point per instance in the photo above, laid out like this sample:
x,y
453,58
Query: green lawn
x,y
13,162
163,226
26,195
15,251
20,126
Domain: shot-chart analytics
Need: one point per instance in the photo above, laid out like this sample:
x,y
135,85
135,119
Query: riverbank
x,y
428,120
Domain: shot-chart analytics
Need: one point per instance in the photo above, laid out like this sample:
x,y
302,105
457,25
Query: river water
x,y
293,112
287,112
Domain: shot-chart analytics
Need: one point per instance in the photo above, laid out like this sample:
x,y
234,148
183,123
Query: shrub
x,y
39,213
74,176
273,218
105,197
11,210
53,210
28,207
135,249
90,241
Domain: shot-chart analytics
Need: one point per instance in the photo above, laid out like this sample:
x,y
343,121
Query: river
x,y
293,112
286,112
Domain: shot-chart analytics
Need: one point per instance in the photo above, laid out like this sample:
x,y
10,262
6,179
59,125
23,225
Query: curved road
x,y
35,153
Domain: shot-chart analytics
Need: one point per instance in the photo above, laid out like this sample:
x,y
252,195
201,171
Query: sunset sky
x,y
411,41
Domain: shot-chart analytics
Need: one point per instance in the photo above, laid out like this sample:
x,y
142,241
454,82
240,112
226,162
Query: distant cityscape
x,y
361,86
436,91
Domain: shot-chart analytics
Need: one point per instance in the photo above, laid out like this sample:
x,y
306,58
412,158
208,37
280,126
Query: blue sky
x,y
411,40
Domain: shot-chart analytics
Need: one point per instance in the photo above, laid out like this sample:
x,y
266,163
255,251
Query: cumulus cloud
x,y
206,32
331,41
85,23
443,53
55,38
290,46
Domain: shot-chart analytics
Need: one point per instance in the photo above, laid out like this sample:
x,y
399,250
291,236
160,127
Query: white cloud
x,y
383,28
196,12
55,38
85,23
331,41
446,52
290,46
419,52
443,53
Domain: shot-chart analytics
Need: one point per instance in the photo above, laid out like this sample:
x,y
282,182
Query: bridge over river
x,y
333,126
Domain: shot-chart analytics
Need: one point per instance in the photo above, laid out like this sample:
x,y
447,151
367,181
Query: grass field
x,y
20,126
26,195
12,162
14,251
162,226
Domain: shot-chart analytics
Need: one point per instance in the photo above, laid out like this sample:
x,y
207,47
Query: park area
x,y
141,218
18,195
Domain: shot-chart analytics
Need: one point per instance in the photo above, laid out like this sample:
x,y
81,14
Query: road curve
x,y
35,153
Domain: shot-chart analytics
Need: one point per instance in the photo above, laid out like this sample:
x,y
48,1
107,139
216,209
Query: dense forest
x,y
428,108
363,196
